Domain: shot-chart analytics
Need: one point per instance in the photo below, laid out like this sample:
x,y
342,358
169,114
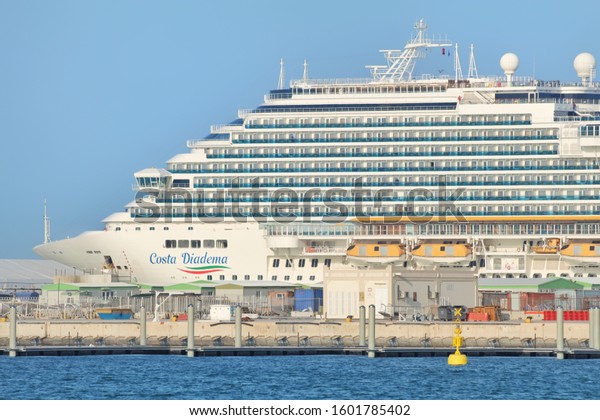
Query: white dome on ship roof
x,y
584,63
509,63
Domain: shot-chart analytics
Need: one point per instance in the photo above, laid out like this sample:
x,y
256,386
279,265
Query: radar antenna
x,y
401,63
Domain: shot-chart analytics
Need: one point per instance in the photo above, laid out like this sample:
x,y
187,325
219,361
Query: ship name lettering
x,y
202,259
164,259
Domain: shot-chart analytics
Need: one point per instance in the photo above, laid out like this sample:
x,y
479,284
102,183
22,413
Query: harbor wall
x,y
311,333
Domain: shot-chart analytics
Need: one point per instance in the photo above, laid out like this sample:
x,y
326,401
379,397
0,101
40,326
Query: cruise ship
x,y
496,175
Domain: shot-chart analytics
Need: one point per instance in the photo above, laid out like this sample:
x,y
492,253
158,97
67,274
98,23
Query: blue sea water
x,y
296,377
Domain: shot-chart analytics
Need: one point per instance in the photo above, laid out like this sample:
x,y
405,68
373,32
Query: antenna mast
x,y
281,83
472,66
457,69
400,63
305,74
46,225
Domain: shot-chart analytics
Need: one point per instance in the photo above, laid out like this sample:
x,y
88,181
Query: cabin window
x,y
301,263
312,278
299,278
247,277
222,277
183,243
274,278
221,243
260,277
288,263
209,277
286,278
275,263
314,262
209,243
196,243
234,277
170,243
414,296
327,262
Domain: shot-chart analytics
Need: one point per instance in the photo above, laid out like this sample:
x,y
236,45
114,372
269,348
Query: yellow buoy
x,y
457,359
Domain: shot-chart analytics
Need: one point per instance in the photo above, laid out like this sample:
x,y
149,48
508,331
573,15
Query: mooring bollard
x,y
190,337
12,341
238,326
142,326
371,331
560,334
362,312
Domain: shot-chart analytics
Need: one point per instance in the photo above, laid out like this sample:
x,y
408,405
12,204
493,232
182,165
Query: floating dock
x,y
218,351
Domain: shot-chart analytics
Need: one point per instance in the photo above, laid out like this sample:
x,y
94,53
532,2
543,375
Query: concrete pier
x,y
143,334
371,331
596,331
190,337
238,326
362,322
592,328
12,342
560,333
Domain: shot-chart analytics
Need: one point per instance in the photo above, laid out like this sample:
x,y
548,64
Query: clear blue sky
x,y
92,91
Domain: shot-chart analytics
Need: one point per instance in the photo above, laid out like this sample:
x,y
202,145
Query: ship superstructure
x,y
497,174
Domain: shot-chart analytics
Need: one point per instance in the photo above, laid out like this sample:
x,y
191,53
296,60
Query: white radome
x,y
584,63
509,63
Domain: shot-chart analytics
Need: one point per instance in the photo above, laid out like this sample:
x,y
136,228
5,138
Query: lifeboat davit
x,y
376,253
442,253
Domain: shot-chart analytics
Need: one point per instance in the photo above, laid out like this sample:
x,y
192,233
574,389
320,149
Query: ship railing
x,y
222,128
